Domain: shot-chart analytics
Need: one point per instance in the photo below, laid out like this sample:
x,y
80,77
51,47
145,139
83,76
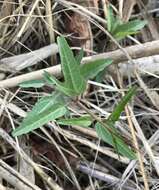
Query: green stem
x,y
103,124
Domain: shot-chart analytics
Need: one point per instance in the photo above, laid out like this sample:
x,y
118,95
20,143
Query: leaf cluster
x,y
54,106
120,30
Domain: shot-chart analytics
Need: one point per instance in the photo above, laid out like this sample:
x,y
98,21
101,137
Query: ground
x,y
64,157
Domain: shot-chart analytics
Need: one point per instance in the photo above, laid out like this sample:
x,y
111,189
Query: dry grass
x,y
67,158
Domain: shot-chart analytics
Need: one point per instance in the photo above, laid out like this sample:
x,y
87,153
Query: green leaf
x,y
61,86
128,28
111,138
117,23
121,105
122,35
32,83
83,121
50,79
70,68
80,56
100,76
110,134
110,18
66,90
131,26
35,121
46,102
91,69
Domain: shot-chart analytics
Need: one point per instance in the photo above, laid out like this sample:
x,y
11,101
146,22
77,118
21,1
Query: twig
x,y
49,181
147,145
23,28
63,157
22,61
144,65
136,51
50,26
90,144
15,178
139,155
29,76
103,176
24,168
146,149
135,142
153,95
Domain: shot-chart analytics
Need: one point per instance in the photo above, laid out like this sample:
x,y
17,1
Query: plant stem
x,y
98,119
112,132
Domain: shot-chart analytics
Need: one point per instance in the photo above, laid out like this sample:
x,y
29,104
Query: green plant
x,y
54,106
120,30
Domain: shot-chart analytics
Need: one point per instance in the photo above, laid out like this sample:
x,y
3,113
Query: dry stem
x,y
136,51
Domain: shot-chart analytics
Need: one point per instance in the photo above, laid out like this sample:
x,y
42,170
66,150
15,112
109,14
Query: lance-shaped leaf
x,y
83,121
110,18
70,68
50,79
46,102
128,28
121,105
91,69
109,134
32,83
110,137
35,121
61,86
80,56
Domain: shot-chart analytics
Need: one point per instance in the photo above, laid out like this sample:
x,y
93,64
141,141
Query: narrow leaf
x,y
70,68
62,87
122,35
32,83
100,76
66,90
110,18
46,102
83,121
80,56
110,138
50,79
133,26
117,23
121,105
91,69
36,121
129,28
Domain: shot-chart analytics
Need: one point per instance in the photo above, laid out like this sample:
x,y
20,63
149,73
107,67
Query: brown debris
x,y
44,148
79,26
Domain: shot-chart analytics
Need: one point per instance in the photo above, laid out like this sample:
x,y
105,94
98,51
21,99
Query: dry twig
x,y
49,181
15,178
137,51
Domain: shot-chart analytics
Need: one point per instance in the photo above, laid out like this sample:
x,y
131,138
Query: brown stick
x,y
136,51
15,178
11,82
49,181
